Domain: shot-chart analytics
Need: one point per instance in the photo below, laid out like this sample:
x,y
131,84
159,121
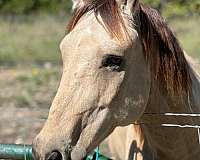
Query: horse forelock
x,y
109,12
168,65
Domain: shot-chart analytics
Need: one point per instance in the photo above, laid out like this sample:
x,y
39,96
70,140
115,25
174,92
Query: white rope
x,y
176,114
180,126
199,134
182,114
177,125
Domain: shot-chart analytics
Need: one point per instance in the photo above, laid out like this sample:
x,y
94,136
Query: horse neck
x,y
190,103
164,142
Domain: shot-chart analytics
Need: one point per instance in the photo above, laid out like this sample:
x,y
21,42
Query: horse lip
x,y
71,147
88,149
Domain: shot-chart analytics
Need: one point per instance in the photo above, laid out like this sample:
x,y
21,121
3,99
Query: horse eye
x,y
112,62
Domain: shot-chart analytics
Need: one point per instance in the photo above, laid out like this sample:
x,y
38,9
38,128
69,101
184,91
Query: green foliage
x,y
153,3
187,31
174,8
31,40
13,6
169,8
29,6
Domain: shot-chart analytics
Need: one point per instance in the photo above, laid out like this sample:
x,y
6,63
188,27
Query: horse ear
x,y
77,4
132,5
129,6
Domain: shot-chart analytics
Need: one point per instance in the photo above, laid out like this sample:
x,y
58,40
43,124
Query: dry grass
x,y
31,40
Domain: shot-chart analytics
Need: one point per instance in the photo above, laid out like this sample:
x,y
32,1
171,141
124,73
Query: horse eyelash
x,y
112,62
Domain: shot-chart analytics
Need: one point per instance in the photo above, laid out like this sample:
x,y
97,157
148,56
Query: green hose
x,y
18,152
24,152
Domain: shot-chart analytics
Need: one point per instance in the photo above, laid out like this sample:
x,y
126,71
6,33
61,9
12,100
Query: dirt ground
x,y
20,126
25,98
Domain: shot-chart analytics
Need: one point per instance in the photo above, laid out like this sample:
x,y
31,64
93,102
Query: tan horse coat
x,y
127,143
120,61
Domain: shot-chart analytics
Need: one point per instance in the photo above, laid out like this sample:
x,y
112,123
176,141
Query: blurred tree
x,y
161,5
169,8
30,6
174,8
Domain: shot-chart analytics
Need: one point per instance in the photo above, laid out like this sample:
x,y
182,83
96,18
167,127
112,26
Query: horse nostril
x,y
55,155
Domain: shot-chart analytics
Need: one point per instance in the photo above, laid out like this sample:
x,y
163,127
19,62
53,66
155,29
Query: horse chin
x,y
92,135
81,152
78,153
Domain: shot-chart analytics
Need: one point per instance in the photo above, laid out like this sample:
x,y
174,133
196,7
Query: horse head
x,y
106,78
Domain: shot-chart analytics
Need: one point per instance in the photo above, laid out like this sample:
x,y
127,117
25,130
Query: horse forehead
x,y
84,36
90,41
89,33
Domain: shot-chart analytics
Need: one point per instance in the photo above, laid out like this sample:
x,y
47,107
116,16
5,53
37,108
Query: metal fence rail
x,y
24,152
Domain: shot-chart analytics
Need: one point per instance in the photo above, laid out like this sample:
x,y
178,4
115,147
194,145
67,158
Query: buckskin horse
x,y
121,61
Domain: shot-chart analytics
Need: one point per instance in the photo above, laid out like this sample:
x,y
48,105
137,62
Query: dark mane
x,y
168,64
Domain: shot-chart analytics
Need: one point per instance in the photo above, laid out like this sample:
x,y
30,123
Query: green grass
x,y
188,32
31,40
35,39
